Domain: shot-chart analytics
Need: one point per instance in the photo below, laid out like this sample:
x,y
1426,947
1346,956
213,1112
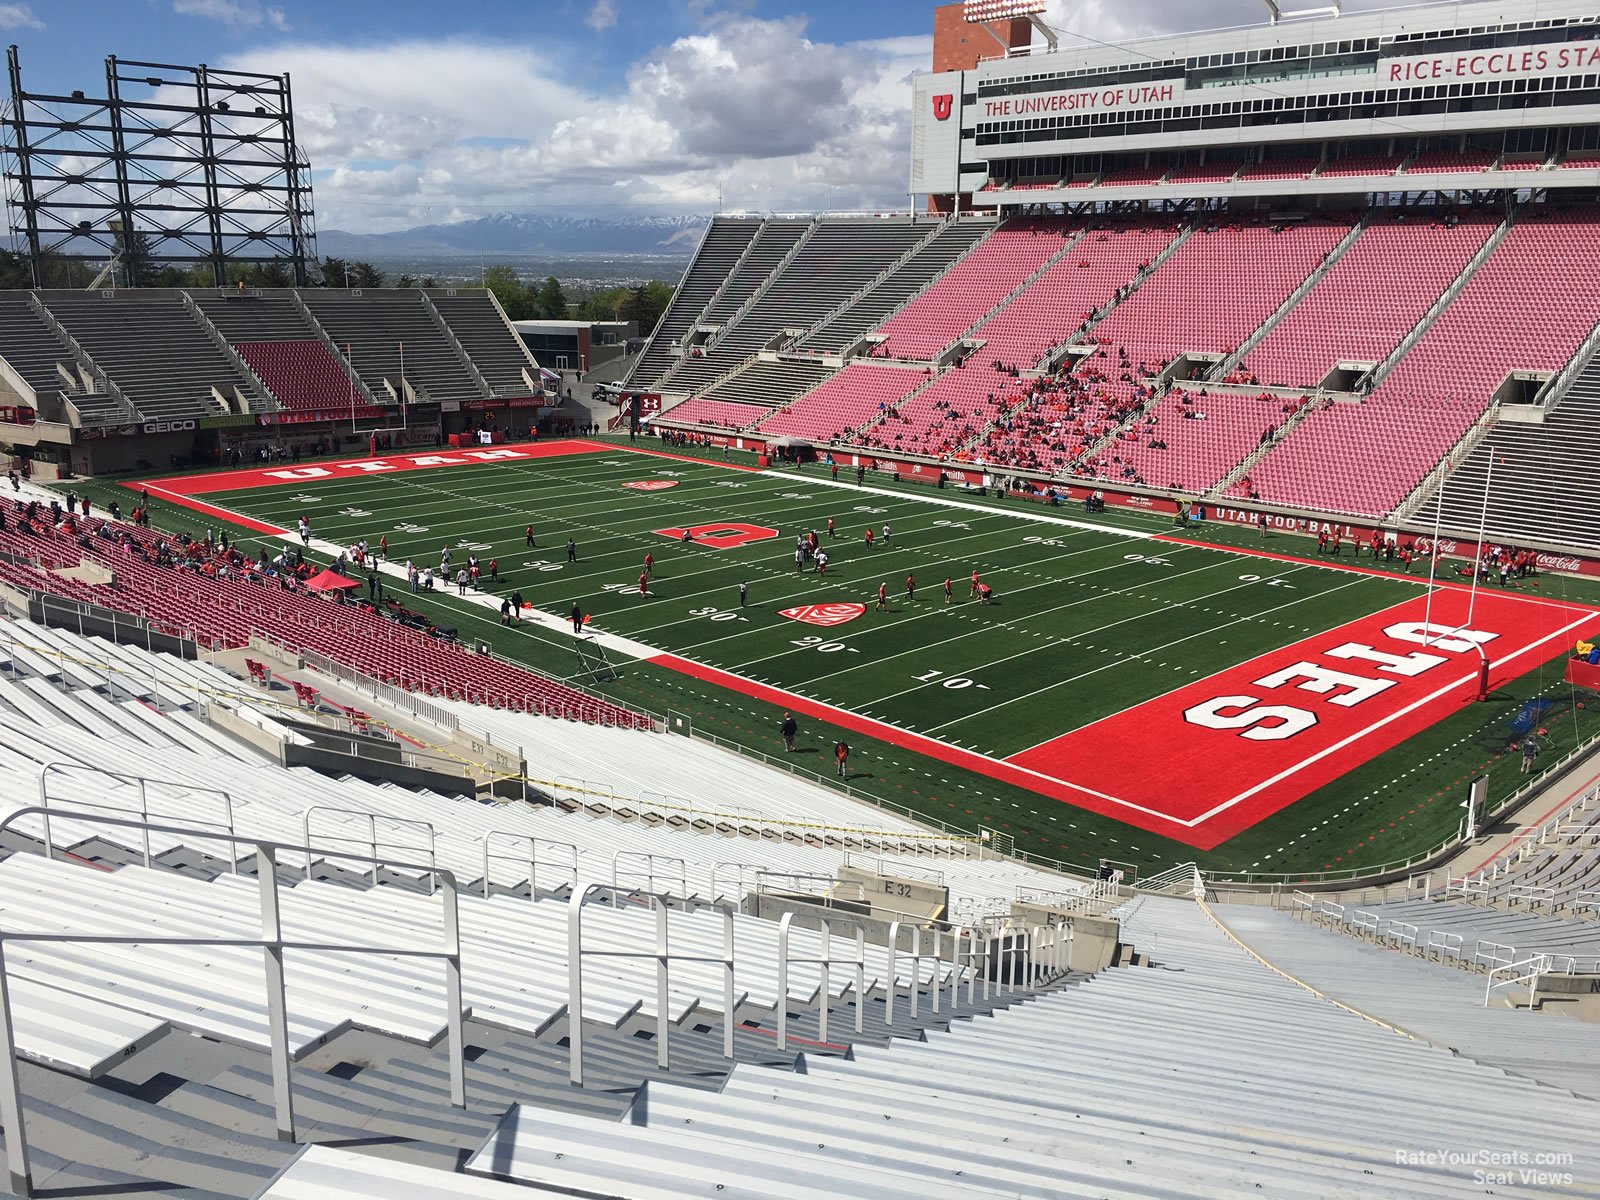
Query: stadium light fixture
x,y
982,12
978,11
1327,10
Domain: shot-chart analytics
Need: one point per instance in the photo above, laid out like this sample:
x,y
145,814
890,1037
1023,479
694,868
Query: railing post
x,y
894,970
277,1001
575,988
452,992
937,959
727,983
372,838
11,1092
861,978
782,1031
916,969
663,984
144,816
822,991
44,803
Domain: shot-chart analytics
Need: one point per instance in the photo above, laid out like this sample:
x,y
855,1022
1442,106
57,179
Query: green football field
x,y
1055,714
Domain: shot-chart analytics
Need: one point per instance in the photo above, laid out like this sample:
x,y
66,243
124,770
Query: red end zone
x,y
183,489
1213,758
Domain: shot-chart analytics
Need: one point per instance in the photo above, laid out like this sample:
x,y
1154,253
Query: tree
x,y
365,275
334,272
550,303
510,291
16,270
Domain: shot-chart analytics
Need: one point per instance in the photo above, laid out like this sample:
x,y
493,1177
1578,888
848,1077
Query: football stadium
x,y
1084,685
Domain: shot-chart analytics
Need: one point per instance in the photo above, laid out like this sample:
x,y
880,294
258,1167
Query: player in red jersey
x,y
883,597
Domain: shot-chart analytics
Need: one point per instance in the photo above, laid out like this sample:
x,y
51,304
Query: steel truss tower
x,y
173,166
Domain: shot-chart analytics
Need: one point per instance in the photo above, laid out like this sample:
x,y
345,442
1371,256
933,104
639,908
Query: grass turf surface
x,y
1088,621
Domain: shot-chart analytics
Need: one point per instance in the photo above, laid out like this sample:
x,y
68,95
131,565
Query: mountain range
x,y
522,233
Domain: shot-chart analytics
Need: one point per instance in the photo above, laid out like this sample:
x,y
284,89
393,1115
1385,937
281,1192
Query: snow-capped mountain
x,y
522,233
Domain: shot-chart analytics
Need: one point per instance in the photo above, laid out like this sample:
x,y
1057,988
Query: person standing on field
x,y
744,594
949,597
883,597
911,589
841,755
788,728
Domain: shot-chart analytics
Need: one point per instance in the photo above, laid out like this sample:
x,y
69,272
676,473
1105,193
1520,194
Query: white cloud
x,y
602,15
237,14
750,111
18,16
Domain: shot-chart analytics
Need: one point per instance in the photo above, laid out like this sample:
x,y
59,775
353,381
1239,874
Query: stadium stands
x,y
1061,1097
156,352
841,257
304,375
1190,441
714,414
770,383
844,402
725,242
948,413
33,351
1435,393
1542,486
376,325
224,600
1361,164
1162,320
1435,162
910,278
1390,276
771,245
995,268
1289,167
1433,1000
1055,307
489,340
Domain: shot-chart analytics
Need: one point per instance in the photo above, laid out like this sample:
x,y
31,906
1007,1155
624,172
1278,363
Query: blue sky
x,y
415,112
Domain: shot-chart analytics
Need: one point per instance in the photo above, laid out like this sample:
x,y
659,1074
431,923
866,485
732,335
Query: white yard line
x,y
1154,649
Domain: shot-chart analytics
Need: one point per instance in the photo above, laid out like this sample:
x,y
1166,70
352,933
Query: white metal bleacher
x,y
1209,1075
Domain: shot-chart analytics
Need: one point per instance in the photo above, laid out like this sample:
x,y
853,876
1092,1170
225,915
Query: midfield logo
x,y
825,615
651,485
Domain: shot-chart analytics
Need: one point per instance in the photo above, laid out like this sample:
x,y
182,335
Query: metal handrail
x,y
271,943
60,765
372,836
663,957
533,857
1528,971
823,963
648,871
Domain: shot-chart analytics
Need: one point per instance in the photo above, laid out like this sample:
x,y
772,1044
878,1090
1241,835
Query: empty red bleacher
x,y
839,405
1217,288
1387,445
718,414
1280,168
1362,164
1369,299
303,375
1057,304
1435,162
990,272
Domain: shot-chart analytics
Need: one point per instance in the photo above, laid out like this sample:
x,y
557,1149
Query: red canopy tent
x,y
329,580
